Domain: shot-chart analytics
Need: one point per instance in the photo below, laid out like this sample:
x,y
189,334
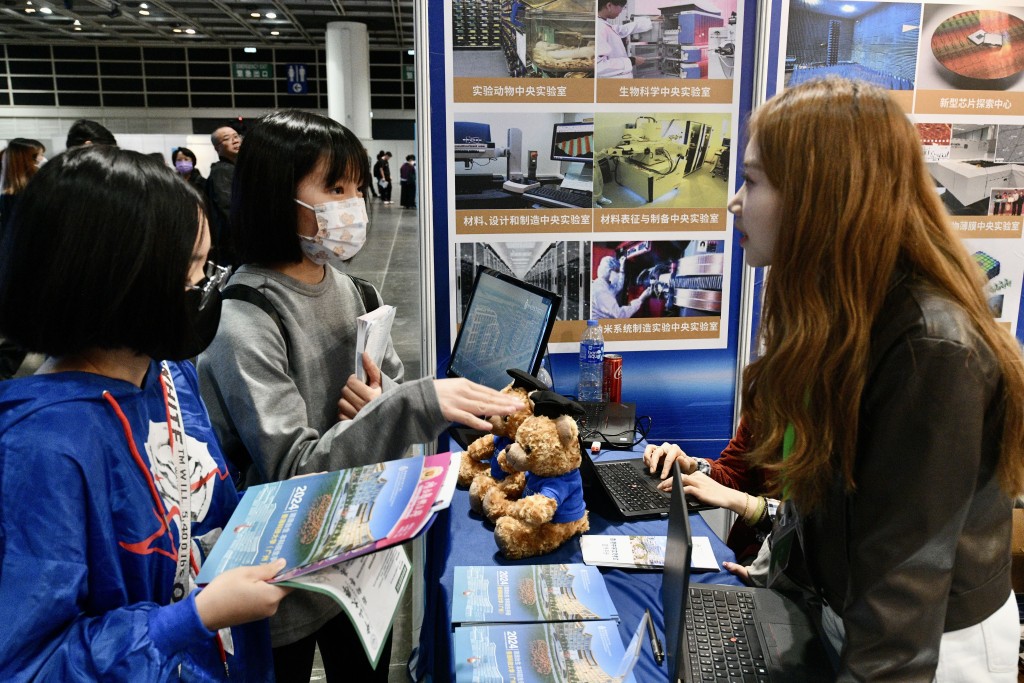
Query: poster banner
x,y
591,154
957,68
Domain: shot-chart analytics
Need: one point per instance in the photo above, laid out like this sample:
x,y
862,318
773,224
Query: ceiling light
x,y
271,15
848,8
254,15
275,33
190,31
46,10
249,50
78,28
144,12
77,22
143,5
411,53
30,10
176,30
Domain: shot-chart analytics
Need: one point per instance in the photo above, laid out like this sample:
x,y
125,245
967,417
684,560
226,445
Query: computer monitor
x,y
507,325
574,143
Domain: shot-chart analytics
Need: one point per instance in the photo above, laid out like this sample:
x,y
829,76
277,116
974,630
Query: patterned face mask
x,y
341,230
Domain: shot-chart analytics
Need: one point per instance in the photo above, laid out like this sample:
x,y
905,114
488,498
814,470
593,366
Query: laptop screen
x,y
507,325
676,582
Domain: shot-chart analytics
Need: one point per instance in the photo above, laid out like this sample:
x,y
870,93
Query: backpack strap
x,y
257,298
371,301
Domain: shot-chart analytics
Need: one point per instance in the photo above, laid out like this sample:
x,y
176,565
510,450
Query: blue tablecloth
x,y
461,537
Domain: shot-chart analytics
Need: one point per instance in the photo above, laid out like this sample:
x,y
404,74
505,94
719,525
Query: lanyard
x,y
180,465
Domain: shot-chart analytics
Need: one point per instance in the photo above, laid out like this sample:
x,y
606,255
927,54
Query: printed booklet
x,y
323,519
530,593
530,653
642,552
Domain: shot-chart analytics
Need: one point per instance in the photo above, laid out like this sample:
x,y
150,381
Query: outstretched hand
x,y
241,595
357,393
464,401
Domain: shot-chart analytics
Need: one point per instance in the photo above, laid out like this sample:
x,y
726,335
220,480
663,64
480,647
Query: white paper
x,y
368,588
373,331
638,552
702,557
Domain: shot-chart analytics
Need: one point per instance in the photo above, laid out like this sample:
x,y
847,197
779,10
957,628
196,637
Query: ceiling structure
x,y
266,23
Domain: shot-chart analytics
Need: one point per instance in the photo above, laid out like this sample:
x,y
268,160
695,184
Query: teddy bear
x,y
480,468
551,510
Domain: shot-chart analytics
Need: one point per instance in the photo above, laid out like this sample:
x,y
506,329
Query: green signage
x,y
409,72
251,70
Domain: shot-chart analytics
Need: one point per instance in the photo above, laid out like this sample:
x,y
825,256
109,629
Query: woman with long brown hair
x,y
18,163
888,405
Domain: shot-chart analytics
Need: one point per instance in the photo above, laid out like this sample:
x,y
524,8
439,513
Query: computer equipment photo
x,y
573,143
756,634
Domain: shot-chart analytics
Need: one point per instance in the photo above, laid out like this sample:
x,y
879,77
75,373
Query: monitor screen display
x,y
573,142
507,325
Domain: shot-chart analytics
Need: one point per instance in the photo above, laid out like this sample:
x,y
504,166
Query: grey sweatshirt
x,y
283,407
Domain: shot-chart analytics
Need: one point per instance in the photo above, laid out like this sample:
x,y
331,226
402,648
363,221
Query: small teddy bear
x,y
551,510
480,460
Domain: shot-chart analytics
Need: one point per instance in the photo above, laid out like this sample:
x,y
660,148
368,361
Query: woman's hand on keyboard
x,y
668,453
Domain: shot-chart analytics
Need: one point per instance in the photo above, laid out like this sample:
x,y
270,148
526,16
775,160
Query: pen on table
x,y
659,654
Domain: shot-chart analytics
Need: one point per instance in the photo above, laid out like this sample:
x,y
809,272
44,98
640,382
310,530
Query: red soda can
x,y
612,389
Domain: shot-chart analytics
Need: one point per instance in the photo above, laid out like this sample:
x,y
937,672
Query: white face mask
x,y
341,230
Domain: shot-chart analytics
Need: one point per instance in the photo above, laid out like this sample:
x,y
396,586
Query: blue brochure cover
x,y
531,653
530,593
322,519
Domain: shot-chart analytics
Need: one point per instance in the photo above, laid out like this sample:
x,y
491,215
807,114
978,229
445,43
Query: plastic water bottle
x,y
591,363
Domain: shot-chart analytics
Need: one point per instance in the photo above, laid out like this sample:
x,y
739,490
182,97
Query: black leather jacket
x,y
923,545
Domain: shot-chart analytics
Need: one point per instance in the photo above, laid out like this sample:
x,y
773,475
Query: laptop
x,y
506,326
716,632
627,487
613,425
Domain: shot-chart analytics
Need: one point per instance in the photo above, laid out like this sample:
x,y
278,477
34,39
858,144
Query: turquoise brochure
x,y
322,519
530,593
531,653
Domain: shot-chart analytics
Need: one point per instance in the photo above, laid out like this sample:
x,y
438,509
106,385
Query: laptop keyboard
x,y
721,639
630,491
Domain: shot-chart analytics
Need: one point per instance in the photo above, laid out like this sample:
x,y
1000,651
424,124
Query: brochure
x,y
369,589
643,552
630,552
530,653
322,519
530,593
373,331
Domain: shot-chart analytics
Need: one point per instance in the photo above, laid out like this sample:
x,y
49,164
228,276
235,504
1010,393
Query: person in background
x,y
89,509
19,162
293,405
604,292
87,132
887,407
407,175
226,141
612,59
185,165
382,175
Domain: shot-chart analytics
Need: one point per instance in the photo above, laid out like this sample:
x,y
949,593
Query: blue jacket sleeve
x,y
65,609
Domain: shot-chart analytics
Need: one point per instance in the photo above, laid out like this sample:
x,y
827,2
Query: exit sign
x,y
252,70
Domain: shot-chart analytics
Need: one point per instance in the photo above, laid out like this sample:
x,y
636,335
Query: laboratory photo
x,y
657,279
868,41
981,159
666,39
662,160
542,160
964,47
531,39
559,267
